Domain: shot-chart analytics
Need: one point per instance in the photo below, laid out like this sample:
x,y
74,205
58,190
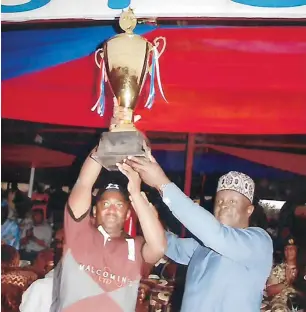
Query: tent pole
x,y
188,169
31,183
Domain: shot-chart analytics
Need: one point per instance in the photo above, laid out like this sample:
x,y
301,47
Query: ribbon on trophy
x,y
154,70
155,67
100,104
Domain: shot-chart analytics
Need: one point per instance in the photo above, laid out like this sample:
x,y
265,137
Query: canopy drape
x,y
242,80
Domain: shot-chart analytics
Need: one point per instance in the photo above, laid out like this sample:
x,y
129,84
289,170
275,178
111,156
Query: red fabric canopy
x,y
285,161
244,80
34,156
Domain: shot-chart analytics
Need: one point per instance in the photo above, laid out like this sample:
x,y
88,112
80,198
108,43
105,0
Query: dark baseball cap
x,y
114,188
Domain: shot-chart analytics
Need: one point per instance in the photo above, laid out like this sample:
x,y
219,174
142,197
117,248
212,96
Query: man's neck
x,y
291,262
112,233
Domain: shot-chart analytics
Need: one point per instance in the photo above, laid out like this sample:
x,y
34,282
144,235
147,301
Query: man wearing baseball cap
x,y
101,265
229,262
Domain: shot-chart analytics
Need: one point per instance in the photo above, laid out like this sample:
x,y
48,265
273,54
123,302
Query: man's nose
x,y
224,206
112,207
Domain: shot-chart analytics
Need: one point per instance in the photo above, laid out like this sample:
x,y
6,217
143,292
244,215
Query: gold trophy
x,y
124,65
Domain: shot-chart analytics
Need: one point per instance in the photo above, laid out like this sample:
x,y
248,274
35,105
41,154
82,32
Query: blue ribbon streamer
x,y
151,96
102,96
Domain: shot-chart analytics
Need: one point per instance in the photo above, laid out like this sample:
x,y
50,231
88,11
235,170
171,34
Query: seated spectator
x,y
10,233
37,238
11,196
9,256
280,282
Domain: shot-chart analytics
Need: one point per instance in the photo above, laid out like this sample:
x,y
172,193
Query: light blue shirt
x,y
228,267
10,233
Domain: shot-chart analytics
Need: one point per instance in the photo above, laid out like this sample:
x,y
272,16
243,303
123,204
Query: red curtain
x,y
241,80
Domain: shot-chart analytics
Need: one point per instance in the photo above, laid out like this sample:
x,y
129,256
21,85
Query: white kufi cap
x,y
239,182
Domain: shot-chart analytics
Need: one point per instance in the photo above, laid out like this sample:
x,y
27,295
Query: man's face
x,y
37,217
290,252
112,209
232,209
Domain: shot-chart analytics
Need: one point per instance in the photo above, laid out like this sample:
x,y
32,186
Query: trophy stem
x,y
122,119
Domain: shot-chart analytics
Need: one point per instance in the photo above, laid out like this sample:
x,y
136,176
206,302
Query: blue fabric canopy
x,y
27,51
217,163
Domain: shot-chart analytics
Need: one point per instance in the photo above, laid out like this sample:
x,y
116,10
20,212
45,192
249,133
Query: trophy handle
x,y
99,52
154,46
157,42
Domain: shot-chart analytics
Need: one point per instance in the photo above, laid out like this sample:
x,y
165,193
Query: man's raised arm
x,y
234,243
80,198
180,250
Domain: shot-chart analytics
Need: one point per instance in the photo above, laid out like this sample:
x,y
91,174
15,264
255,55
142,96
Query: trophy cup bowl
x,y
126,60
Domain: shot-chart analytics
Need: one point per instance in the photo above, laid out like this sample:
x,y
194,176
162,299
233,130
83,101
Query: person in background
x,y
39,195
229,262
37,238
11,194
10,233
282,277
38,297
57,200
101,265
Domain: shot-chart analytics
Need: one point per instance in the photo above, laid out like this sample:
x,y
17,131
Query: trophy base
x,y
114,147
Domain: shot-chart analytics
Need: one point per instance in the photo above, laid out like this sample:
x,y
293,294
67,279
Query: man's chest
x,y
111,263
40,232
211,266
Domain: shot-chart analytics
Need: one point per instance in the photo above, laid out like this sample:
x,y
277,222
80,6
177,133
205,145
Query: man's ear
x,y
128,214
250,210
94,211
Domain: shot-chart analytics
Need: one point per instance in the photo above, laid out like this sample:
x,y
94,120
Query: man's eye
x,y
106,204
119,205
232,201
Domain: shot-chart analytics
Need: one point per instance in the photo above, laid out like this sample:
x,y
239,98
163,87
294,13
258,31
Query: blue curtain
x,y
28,51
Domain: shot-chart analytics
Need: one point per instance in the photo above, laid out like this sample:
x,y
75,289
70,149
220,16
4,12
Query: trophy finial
x,y
128,21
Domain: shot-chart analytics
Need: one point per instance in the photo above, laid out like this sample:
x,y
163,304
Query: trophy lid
x,y
128,21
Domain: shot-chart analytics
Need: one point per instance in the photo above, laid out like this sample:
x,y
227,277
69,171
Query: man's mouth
x,y
111,217
223,214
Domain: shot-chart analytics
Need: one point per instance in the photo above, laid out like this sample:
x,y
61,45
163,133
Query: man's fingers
x,y
127,167
136,166
137,160
152,159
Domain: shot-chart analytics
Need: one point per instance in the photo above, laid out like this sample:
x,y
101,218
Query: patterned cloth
x,y
279,301
239,182
14,282
10,233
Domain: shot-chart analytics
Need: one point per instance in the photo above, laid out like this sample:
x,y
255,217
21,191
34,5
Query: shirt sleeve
x,y
73,227
180,250
243,245
16,242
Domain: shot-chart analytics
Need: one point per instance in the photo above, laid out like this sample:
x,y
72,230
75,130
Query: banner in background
x,y
26,10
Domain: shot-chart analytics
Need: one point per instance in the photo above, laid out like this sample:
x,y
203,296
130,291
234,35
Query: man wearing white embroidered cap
x,y
101,265
229,262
